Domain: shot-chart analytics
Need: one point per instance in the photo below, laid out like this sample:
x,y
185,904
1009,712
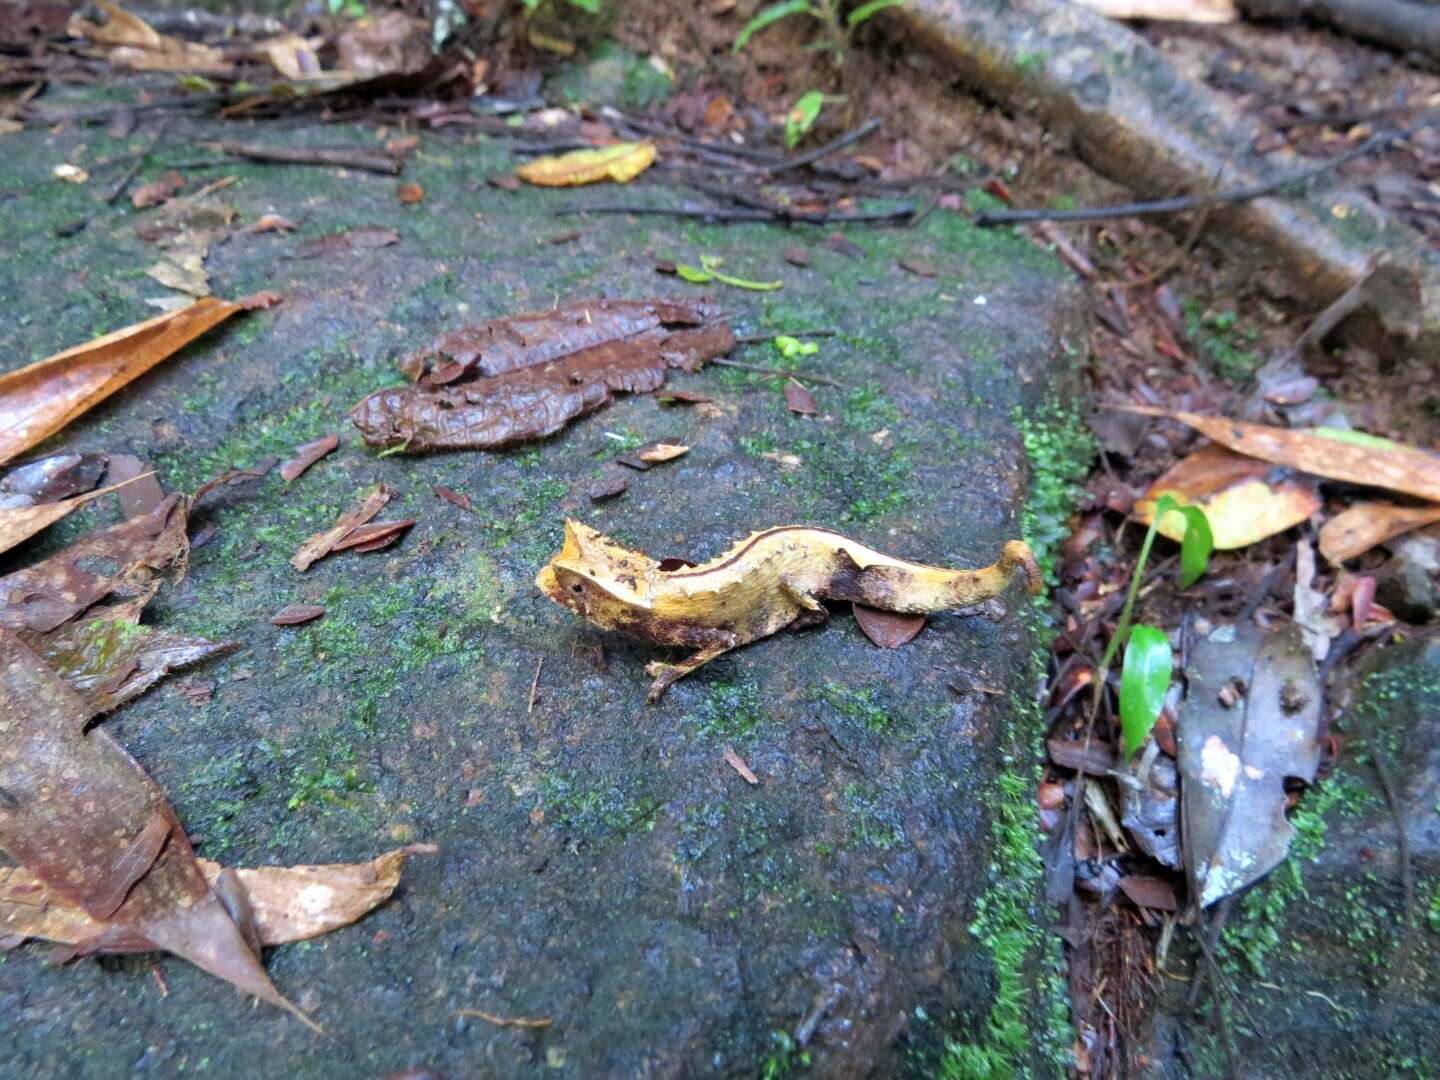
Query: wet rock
x,y
599,862
1407,583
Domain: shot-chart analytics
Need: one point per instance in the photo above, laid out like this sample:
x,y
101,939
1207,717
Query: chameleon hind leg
x,y
716,643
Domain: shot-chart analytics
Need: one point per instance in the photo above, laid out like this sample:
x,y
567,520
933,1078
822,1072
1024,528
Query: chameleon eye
x,y
577,587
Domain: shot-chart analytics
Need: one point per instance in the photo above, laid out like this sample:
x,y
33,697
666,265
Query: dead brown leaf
x,y
269,223
135,44
308,455
1356,530
455,498
799,400
82,817
736,762
295,614
657,453
386,43
22,516
1150,892
1244,499
124,559
374,536
157,191
409,193
523,378
366,239
888,629
38,400
139,488
1350,456
323,542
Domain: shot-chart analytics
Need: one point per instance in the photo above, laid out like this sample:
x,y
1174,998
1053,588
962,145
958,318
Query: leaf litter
x,y
325,541
525,377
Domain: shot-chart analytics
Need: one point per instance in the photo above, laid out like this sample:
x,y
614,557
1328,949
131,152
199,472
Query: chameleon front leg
x,y
716,643
812,611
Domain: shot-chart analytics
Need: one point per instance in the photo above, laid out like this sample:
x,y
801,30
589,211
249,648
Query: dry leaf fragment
x,y
289,903
366,239
409,193
918,267
292,56
888,629
1149,892
139,488
295,614
508,1021
613,482
1351,456
799,400
157,191
83,818
736,762
323,542
374,536
135,44
455,498
38,400
1356,530
308,455
270,223
20,522
657,453
1244,499
621,162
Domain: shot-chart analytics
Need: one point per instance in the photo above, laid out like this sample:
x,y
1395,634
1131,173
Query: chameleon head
x,y
597,578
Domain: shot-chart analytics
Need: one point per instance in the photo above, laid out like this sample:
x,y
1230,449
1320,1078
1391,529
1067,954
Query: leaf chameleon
x,y
770,580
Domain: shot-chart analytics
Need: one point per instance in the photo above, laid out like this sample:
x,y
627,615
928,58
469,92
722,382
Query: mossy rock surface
x,y
598,862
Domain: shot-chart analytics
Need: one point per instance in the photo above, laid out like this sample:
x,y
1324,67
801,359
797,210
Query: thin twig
x,y
812,156
753,339
305,155
1402,837
534,685
783,373
723,213
1376,142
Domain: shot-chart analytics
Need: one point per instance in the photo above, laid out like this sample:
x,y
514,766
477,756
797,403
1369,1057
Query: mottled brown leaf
x,y
50,479
323,542
124,558
38,400
81,816
1356,530
295,614
519,379
799,400
888,629
108,658
157,191
613,482
308,455
455,498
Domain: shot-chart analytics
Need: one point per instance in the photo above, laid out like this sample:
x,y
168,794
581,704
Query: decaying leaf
x,y
1234,760
736,762
38,400
81,816
1356,530
799,400
384,43
308,455
289,903
374,536
135,44
323,542
1311,610
888,629
523,378
292,56
621,162
138,486
27,516
365,239
1351,456
157,191
1244,499
655,453
108,658
124,559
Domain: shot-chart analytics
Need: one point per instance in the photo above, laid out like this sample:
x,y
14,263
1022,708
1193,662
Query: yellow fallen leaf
x,y
621,162
1242,501
655,453
1351,456
1358,529
290,903
38,400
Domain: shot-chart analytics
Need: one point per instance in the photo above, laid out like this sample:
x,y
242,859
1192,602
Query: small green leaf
x,y
592,6
712,264
772,14
1143,681
802,116
864,11
694,274
1199,542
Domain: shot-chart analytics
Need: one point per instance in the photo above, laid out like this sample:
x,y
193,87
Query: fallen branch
x,y
1136,119
1179,203
303,155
